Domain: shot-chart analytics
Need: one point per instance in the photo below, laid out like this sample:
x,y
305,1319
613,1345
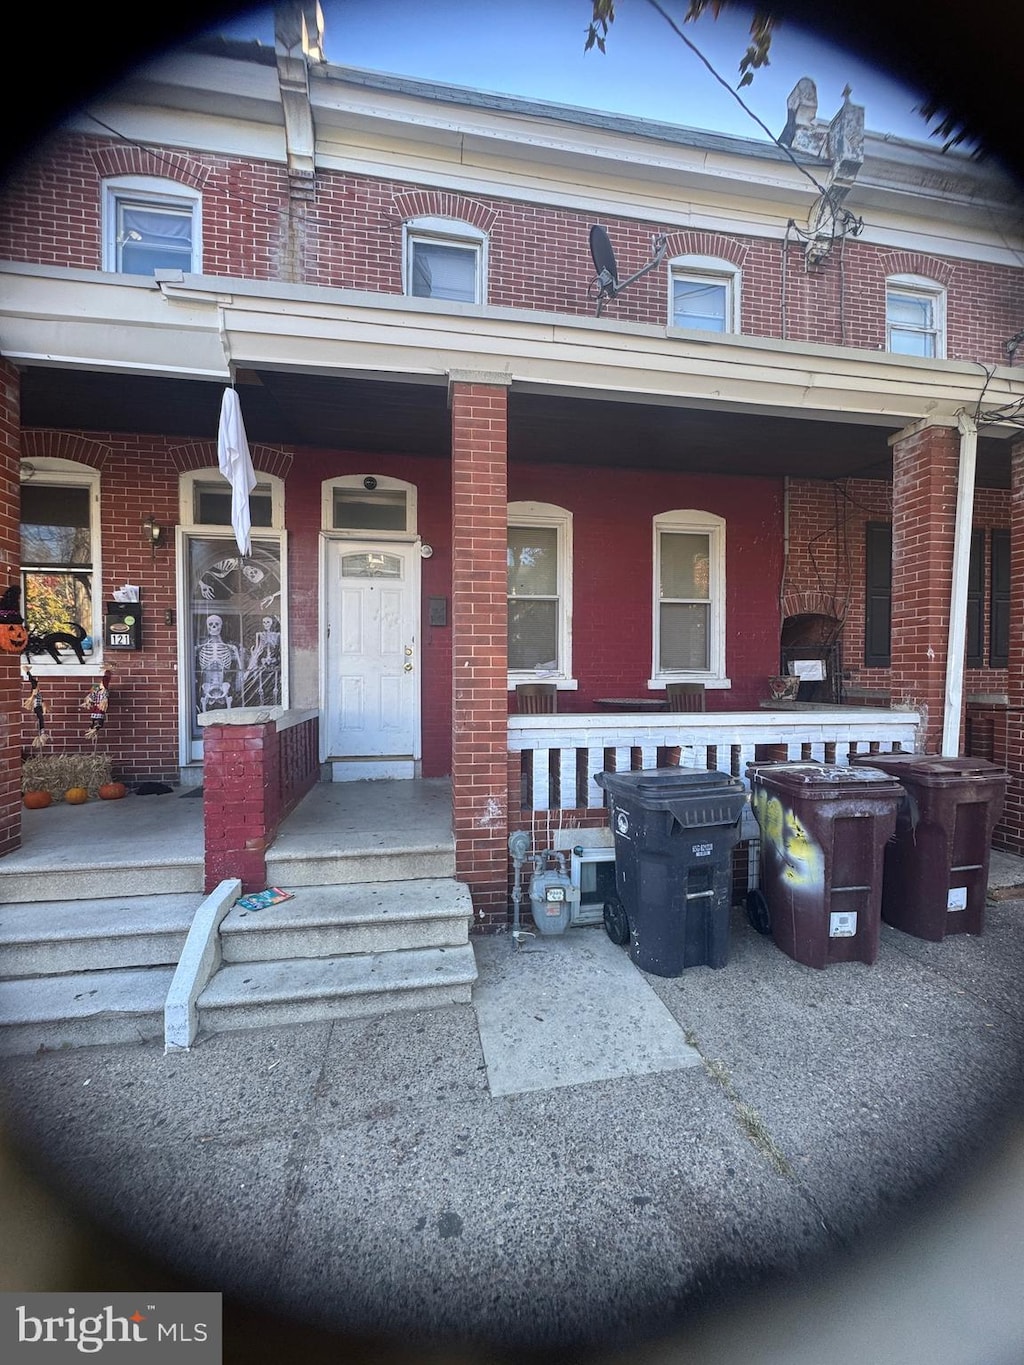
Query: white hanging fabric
x,y
235,464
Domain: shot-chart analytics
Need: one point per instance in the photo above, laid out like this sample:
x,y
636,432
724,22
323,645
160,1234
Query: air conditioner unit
x,y
592,870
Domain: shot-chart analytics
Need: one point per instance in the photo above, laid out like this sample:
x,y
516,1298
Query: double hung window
x,y
539,592
704,294
689,596
59,561
151,224
445,259
915,317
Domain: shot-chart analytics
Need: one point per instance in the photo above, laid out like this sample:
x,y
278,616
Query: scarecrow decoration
x,y
96,704
13,635
34,702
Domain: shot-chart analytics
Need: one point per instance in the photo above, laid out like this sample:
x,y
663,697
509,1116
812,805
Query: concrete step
x,y
292,868
331,921
100,880
304,990
82,1009
44,938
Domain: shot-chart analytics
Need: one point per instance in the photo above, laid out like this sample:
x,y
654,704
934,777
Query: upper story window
x,y
704,294
689,597
539,591
370,506
915,316
444,259
60,562
151,224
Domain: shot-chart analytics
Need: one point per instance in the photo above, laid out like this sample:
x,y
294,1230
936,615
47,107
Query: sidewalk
x,y
362,1178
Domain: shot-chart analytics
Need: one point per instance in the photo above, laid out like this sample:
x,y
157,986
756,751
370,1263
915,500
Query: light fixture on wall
x,y
153,533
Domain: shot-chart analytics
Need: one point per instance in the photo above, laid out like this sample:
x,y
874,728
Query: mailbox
x,y
123,625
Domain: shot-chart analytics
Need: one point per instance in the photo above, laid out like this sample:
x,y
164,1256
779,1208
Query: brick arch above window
x,y
691,243
914,263
441,204
43,444
124,159
203,455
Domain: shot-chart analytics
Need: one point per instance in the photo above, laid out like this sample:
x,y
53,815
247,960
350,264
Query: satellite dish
x,y
606,284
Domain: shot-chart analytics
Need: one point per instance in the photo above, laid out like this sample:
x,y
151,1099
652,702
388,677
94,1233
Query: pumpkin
x,y
75,796
13,637
37,800
112,791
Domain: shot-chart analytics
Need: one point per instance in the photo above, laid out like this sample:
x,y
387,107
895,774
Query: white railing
x,y
562,753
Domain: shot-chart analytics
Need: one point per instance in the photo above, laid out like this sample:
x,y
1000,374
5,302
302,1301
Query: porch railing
x,y
561,754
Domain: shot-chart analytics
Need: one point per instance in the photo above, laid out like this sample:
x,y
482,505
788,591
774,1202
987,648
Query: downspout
x,y
958,591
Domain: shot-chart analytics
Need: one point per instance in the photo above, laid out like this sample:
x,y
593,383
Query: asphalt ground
x,y
840,1174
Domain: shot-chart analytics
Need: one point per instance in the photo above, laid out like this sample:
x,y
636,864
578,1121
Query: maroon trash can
x,y
823,829
936,868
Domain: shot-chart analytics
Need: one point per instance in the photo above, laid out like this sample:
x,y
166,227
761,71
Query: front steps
x,y
103,970
81,972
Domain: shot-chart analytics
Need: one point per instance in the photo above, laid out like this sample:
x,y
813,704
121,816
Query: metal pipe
x,y
957,645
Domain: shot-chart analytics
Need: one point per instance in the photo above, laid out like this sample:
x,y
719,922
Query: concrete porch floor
x,y
335,817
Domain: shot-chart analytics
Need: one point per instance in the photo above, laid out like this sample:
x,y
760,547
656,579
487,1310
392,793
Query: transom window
x,y
539,591
444,259
370,506
59,562
206,500
915,317
689,596
151,224
704,294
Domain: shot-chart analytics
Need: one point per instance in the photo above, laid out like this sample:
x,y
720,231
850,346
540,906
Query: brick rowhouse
x,y
479,414
1011,829
10,551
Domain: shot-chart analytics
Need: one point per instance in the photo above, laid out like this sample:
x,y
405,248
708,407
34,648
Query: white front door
x,y
371,653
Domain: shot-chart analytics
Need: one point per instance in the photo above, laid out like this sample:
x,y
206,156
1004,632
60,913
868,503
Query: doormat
x,y
192,791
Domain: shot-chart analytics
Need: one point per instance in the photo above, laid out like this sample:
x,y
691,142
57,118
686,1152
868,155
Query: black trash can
x,y
823,828
936,868
675,829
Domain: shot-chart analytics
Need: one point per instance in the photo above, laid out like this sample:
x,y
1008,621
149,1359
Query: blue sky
x,y
535,48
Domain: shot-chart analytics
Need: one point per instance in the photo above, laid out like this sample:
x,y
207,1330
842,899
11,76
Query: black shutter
x,y
976,602
877,593
999,621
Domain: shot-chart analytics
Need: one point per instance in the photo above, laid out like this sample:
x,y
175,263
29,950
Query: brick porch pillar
x,y
1010,833
479,408
11,688
925,462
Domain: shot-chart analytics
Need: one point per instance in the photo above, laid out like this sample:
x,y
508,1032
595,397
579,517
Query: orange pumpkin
x,y
37,800
75,796
112,791
13,637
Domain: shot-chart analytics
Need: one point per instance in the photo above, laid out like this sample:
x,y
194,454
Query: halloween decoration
x,y
37,800
34,702
112,791
219,665
57,773
13,635
47,644
76,796
96,704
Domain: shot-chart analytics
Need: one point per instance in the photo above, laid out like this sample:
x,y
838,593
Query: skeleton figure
x,y
215,660
263,671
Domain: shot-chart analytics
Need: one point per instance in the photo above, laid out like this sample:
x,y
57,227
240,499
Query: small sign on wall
x,y
123,626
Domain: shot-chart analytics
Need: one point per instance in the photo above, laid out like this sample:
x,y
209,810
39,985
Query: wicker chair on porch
x,y
684,697
536,699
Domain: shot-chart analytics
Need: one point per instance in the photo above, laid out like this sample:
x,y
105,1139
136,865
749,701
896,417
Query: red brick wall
x,y
613,547
10,556
924,508
1010,835
825,566
479,647
538,256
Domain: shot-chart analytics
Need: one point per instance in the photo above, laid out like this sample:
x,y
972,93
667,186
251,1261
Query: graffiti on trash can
x,y
797,857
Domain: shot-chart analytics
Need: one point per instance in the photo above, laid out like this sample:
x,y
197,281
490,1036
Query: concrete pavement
x,y
823,1183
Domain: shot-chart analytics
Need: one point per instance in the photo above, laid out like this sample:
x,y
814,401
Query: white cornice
x,y
200,326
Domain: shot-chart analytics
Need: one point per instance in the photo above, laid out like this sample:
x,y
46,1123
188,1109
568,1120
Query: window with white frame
x,y
539,591
444,259
704,293
151,224
60,552
370,506
915,316
689,596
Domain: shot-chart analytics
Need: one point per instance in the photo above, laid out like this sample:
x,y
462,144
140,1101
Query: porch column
x,y
924,485
479,408
10,573
1010,833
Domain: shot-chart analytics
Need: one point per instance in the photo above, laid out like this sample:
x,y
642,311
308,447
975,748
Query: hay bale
x,y
55,773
